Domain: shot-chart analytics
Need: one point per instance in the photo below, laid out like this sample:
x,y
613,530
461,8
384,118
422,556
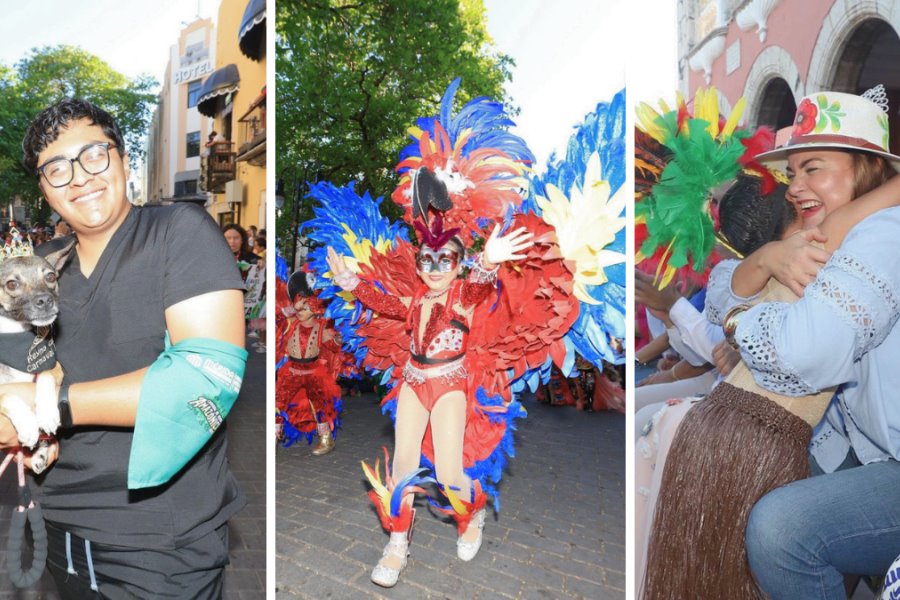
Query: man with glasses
x,y
151,338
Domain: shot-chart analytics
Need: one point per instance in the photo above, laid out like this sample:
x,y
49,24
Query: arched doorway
x,y
777,106
870,57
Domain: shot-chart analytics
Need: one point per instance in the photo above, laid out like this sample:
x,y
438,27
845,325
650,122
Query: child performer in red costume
x,y
435,382
307,396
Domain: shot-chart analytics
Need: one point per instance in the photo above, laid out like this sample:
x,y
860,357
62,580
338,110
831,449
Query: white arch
x,y
772,62
838,26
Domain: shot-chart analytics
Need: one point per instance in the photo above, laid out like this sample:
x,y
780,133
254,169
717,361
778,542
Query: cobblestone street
x,y
560,533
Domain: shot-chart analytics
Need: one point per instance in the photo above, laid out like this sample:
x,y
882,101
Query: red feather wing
x,y
387,340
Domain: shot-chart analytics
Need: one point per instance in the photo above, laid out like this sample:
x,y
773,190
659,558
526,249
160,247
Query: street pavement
x,y
245,577
560,533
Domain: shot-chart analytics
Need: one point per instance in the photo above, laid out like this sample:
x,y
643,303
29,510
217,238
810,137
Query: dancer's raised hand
x,y
335,262
340,273
499,248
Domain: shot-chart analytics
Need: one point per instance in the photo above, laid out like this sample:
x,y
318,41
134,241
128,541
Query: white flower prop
x,y
585,224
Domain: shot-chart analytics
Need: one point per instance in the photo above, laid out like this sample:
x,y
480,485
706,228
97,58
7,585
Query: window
x,y
186,188
193,144
193,92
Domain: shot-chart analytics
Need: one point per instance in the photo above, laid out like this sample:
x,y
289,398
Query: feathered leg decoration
x,y
466,514
394,503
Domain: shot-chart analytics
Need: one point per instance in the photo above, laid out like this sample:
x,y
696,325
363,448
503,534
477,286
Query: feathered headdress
x,y
680,159
480,164
436,236
302,283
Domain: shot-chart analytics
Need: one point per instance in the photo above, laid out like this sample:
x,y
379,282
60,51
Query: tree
x,y
352,76
50,74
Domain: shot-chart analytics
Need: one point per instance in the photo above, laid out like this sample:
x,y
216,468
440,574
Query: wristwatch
x,y
65,410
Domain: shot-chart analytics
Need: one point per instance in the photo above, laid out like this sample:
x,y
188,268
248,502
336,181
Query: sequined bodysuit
x,y
436,364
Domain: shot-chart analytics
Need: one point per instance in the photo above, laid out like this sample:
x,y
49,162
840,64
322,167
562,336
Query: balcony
x,y
252,127
701,58
217,167
755,13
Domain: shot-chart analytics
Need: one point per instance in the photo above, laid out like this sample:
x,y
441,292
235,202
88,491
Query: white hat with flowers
x,y
839,121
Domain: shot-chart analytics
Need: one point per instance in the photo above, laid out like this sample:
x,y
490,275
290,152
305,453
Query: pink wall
x,y
783,30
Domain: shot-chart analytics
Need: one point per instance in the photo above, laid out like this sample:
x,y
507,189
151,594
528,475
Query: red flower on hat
x,y
806,118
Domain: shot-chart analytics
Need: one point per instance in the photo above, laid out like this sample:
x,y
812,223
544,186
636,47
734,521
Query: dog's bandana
x,y
30,351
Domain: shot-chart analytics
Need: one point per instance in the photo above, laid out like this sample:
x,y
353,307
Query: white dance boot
x,y
398,548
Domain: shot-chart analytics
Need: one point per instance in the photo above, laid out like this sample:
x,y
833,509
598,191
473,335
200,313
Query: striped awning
x,y
217,86
252,32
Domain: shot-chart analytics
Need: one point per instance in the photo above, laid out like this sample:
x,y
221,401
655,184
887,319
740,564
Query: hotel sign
x,y
192,72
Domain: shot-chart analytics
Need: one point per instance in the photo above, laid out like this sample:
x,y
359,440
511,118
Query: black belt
x,y
424,360
303,361
459,325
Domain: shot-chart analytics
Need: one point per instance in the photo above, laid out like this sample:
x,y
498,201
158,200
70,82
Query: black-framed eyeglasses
x,y
94,159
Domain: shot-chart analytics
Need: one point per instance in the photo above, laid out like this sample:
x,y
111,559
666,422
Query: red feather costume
x,y
513,326
306,392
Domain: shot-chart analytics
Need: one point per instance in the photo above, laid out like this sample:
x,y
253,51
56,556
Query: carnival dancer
x,y
454,352
307,397
434,388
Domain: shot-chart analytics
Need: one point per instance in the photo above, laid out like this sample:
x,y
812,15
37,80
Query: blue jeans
x,y
802,538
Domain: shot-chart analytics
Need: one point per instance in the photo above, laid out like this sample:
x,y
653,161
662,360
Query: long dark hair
x,y
245,247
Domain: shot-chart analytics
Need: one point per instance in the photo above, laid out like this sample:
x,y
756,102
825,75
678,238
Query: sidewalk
x,y
560,533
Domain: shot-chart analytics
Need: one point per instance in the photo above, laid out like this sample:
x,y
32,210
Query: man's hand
x,y
25,391
667,361
40,463
646,293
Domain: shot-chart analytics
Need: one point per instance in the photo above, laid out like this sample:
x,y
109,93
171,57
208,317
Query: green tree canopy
x,y
50,74
352,76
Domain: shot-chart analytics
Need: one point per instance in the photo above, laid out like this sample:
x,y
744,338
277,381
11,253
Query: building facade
x,y
233,171
774,52
178,130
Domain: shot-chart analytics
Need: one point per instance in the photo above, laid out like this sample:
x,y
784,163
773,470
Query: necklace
x,y
432,295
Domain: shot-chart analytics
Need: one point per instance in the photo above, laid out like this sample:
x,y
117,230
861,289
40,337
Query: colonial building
x,y
774,52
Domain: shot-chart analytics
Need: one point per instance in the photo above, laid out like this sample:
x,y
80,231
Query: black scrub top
x,y
112,323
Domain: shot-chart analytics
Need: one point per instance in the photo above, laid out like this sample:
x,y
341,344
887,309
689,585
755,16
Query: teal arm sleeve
x,y
186,395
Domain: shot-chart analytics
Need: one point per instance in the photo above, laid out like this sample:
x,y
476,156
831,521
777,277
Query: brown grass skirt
x,y
730,450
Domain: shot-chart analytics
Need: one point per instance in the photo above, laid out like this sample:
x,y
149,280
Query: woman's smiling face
x,y
438,268
821,181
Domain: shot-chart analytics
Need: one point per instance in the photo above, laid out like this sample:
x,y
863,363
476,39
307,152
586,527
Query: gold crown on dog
x,y
16,246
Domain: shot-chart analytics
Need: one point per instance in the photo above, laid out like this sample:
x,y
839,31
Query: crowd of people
x,y
249,249
38,233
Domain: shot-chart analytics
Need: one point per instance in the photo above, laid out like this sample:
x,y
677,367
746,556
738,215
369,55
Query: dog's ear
x,y
58,259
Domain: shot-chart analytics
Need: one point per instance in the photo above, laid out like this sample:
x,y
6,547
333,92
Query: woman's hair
x,y
748,220
242,232
869,172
